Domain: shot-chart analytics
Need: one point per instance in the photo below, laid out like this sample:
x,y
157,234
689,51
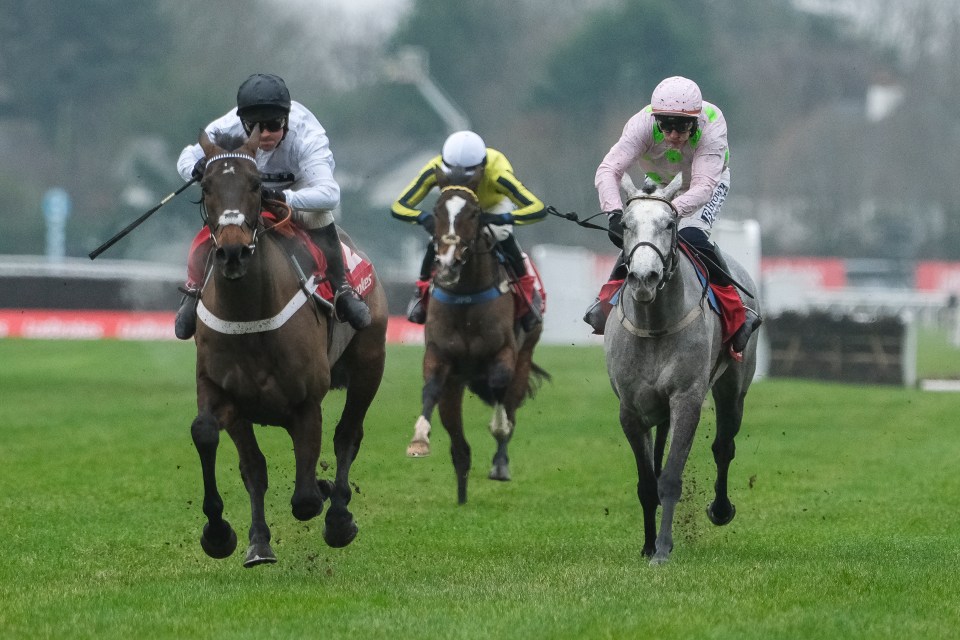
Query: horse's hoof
x,y
500,472
339,534
659,559
259,554
221,544
720,521
418,449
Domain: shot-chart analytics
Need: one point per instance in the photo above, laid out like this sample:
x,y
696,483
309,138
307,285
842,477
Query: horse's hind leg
x,y
450,408
364,364
641,442
515,382
729,408
501,426
218,540
253,471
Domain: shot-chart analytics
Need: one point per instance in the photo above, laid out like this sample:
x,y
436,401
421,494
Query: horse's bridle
x,y
451,238
669,261
233,216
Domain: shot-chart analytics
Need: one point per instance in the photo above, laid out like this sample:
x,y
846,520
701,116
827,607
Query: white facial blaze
x,y
446,258
454,206
229,168
231,216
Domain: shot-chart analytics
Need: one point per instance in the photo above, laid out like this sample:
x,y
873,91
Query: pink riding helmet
x,y
677,96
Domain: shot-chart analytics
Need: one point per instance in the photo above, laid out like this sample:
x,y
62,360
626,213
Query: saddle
x,y
718,298
360,273
526,289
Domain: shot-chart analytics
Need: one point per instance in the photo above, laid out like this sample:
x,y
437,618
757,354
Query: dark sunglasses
x,y
265,125
680,125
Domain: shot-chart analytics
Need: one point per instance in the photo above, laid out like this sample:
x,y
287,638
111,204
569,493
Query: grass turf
x,y
847,502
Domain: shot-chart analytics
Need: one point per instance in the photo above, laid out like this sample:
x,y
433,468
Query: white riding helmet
x,y
463,149
677,96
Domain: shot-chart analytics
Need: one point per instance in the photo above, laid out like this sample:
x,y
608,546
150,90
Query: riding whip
x,y
136,223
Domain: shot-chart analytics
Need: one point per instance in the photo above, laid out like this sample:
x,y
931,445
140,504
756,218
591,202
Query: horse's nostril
x,y
220,254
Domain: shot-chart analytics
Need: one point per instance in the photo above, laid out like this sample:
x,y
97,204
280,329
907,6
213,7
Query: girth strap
x,y
446,297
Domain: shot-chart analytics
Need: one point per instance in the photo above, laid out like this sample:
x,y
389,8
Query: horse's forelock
x,y
229,141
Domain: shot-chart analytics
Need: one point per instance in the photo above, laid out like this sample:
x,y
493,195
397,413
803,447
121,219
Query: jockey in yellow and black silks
x,y
501,196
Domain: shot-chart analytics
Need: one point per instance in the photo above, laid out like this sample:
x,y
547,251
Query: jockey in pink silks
x,y
678,133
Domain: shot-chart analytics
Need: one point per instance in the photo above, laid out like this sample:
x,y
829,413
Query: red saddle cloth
x,y
526,285
360,274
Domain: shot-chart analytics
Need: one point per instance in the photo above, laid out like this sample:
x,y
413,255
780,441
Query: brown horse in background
x,y
267,353
472,337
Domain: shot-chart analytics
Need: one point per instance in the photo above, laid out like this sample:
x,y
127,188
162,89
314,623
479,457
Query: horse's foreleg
x,y
641,443
253,472
451,414
434,376
684,416
729,408
218,540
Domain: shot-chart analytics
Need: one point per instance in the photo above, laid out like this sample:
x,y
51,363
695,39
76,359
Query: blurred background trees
x,y
840,120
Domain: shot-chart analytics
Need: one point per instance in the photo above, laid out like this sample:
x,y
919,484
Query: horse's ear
x,y
209,148
442,180
626,183
671,189
474,183
253,142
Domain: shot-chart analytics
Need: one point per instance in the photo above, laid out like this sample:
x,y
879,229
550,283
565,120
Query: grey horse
x,y
664,352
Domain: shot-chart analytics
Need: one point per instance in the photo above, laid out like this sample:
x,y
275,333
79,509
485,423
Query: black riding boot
x,y
594,315
348,305
516,264
416,311
185,325
719,274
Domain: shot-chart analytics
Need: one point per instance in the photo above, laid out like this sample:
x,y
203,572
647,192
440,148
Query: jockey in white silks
x,y
296,167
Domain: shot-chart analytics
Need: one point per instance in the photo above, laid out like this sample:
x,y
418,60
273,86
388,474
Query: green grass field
x,y
848,515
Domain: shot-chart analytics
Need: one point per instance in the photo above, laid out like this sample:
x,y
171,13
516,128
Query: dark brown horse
x,y
472,337
267,353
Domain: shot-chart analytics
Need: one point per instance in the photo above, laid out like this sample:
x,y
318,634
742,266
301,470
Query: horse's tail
x,y
536,379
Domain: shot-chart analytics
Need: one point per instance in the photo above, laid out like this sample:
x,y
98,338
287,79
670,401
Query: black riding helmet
x,y
263,97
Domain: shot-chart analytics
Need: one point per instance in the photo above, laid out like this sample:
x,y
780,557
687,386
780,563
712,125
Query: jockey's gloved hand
x,y
198,169
428,222
272,194
496,218
615,227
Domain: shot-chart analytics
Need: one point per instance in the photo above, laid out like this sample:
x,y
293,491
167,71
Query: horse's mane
x,y
228,141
